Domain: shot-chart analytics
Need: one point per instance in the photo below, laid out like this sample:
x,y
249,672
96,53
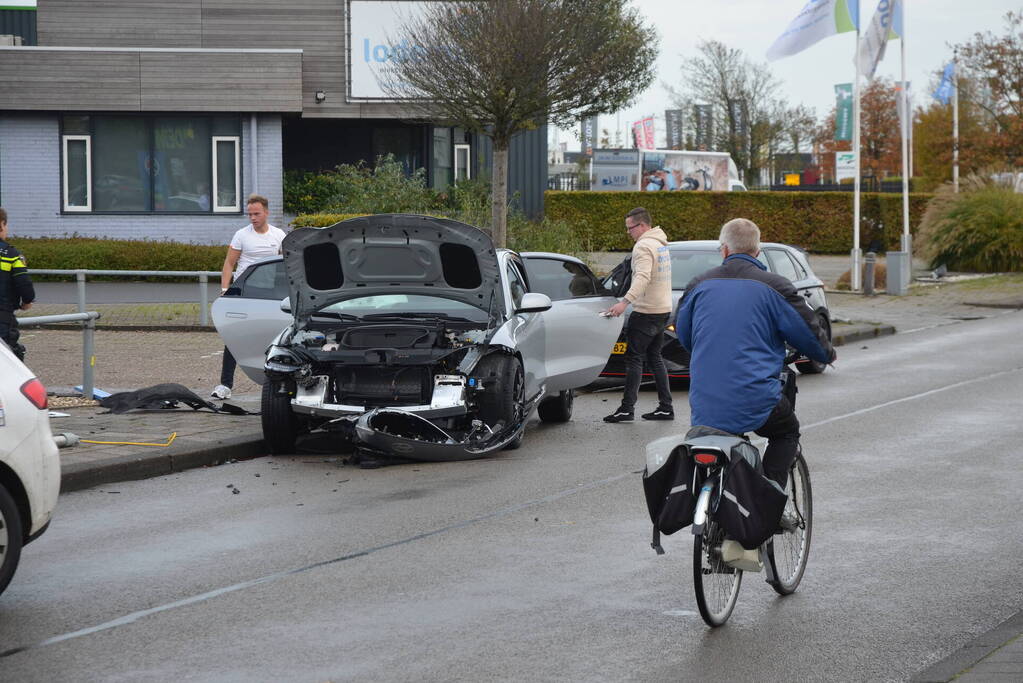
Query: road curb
x,y
973,652
78,476
859,332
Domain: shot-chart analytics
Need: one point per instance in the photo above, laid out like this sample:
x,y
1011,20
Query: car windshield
x,y
401,304
688,263
685,265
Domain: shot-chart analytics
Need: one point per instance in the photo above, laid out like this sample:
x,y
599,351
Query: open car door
x,y
578,339
249,316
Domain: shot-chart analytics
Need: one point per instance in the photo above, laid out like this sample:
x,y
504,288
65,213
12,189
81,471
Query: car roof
x,y
712,245
551,254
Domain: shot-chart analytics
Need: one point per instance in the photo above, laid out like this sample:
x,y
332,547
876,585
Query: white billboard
x,y
372,27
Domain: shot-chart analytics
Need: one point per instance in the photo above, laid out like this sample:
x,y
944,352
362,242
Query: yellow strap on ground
x,y
134,443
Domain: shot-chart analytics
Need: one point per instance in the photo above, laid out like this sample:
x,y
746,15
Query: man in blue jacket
x,y
735,320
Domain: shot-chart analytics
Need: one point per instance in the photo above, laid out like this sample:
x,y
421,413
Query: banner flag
x,y
648,133
815,22
843,111
673,128
588,135
704,115
944,91
885,25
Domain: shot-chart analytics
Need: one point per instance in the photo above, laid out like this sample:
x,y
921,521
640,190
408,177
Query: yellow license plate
x,y
619,348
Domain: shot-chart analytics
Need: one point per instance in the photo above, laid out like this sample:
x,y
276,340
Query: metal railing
x,y
203,275
88,320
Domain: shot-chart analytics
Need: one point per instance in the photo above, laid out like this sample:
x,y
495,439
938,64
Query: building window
x,y
77,173
463,169
152,164
226,174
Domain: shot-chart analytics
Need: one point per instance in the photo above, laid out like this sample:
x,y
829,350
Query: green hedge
x,y
322,220
817,221
107,254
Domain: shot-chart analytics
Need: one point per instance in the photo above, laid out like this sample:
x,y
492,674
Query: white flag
x,y
885,25
815,22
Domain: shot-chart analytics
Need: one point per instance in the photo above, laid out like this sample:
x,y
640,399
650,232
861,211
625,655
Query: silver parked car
x,y
695,257
413,336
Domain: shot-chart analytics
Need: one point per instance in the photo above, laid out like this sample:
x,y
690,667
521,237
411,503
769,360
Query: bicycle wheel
x,y
717,584
787,550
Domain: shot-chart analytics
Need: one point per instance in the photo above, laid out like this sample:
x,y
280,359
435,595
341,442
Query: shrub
x,y
92,253
980,229
817,221
357,188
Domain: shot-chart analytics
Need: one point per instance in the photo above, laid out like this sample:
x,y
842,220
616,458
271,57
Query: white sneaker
x,y
221,392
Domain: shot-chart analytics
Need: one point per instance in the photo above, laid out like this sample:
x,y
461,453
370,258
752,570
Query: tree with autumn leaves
x,y
880,142
990,109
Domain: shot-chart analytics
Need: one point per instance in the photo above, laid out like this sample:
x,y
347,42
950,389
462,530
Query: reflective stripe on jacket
x,y
15,284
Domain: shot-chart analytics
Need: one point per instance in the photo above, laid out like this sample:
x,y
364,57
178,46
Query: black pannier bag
x,y
749,505
669,484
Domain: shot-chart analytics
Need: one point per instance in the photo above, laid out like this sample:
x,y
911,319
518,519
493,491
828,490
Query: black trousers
x,y
227,369
10,333
645,337
782,431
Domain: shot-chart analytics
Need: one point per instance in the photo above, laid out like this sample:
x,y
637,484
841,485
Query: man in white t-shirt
x,y
254,242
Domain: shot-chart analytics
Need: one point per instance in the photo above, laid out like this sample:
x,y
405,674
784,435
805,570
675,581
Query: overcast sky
x,y
810,76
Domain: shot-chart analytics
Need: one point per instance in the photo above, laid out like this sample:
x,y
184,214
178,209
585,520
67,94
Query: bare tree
x,y
499,67
744,97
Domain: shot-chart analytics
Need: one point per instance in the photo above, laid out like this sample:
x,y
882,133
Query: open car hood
x,y
390,254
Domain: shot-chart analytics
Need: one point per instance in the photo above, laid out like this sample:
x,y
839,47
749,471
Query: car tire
x,y
10,537
504,393
280,426
557,408
811,366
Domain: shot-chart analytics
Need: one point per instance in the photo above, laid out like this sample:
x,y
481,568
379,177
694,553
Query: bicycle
x,y
717,573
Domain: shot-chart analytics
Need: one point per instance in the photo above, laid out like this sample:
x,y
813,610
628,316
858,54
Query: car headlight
x,y
283,361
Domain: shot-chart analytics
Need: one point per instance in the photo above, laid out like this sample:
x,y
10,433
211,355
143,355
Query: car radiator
x,y
375,386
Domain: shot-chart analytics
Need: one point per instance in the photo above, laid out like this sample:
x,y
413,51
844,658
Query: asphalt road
x,y
535,564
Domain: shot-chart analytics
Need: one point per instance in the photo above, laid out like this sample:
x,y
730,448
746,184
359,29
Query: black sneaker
x,y
660,414
620,415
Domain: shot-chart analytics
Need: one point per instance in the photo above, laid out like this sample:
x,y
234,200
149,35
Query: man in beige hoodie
x,y
650,296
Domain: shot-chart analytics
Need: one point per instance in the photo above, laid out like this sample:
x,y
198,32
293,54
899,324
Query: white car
x,y
413,336
29,463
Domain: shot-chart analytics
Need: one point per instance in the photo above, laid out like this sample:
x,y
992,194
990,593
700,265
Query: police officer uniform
x,y
15,291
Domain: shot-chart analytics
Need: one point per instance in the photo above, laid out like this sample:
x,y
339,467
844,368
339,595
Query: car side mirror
x,y
534,302
286,305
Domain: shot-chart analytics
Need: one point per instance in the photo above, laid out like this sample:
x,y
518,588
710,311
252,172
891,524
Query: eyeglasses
x,y
630,227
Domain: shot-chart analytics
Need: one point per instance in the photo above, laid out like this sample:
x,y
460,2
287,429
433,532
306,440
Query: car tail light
x,y
705,458
35,392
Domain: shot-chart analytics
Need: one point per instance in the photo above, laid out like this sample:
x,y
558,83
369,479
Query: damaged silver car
x,y
414,337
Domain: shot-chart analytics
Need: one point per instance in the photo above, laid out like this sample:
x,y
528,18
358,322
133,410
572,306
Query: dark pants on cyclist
x,y
782,432
645,337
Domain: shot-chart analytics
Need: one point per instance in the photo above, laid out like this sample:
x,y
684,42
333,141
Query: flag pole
x,y
854,270
907,121
955,120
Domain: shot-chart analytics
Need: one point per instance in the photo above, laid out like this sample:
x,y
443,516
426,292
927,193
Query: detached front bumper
x,y
407,435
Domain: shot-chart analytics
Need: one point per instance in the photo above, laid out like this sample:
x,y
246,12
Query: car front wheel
x,y
504,394
10,537
280,426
